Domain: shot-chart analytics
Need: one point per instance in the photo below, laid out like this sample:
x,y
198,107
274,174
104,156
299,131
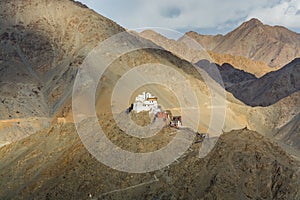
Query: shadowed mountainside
x,y
229,75
270,88
253,91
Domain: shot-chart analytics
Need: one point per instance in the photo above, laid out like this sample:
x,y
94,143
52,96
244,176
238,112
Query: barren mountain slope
x,y
48,41
275,46
230,76
53,164
53,45
257,68
185,49
237,81
282,118
57,74
270,88
289,134
280,86
42,44
238,115
263,91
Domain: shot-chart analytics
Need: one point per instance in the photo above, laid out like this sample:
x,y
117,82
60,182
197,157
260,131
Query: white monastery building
x,y
146,102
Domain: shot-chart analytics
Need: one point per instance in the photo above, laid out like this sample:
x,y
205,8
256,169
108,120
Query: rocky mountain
x,y
186,49
44,42
257,68
243,165
42,45
275,46
289,134
42,91
230,76
270,88
262,91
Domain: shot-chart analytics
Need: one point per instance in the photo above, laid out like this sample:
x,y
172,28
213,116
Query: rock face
x,y
275,46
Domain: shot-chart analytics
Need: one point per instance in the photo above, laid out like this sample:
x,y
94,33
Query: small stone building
x,y
176,122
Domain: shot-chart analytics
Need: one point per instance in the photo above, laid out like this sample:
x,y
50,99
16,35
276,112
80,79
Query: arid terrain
x,y
252,98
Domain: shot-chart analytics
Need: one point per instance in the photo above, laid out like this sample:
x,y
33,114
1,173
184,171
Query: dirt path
x,y
15,120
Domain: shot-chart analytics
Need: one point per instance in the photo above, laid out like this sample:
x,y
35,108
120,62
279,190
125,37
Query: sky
x,y
203,16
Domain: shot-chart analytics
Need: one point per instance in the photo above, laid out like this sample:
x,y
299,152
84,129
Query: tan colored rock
x,y
276,46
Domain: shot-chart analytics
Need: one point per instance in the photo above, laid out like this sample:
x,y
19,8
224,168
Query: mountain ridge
x,y
274,45
53,163
44,43
184,49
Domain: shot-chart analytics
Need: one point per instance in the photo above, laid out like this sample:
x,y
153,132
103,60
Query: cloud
x,y
171,12
285,13
215,15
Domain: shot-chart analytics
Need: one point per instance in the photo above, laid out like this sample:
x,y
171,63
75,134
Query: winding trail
x,y
129,188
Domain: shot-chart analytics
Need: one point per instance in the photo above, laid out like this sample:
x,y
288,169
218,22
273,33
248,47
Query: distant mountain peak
x,y
255,40
251,24
149,31
254,21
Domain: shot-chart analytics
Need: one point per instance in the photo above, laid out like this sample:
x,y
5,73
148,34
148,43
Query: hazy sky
x,y
204,16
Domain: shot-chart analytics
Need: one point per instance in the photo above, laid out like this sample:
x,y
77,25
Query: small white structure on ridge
x,y
146,102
